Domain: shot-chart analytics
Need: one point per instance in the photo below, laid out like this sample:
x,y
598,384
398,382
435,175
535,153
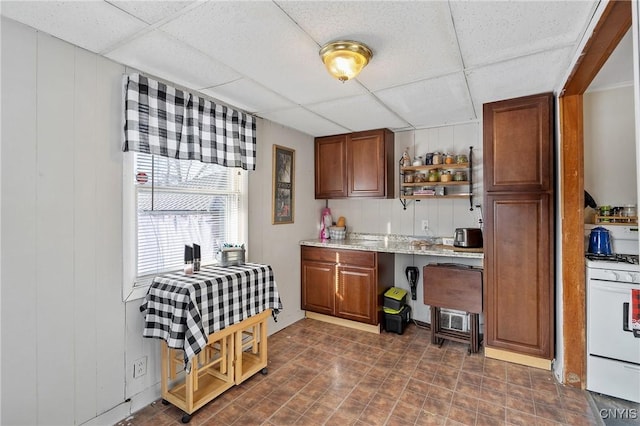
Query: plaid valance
x,y
163,120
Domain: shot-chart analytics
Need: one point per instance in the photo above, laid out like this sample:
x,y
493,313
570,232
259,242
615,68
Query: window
x,y
171,203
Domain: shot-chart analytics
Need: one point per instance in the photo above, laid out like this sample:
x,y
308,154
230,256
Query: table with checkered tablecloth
x,y
183,310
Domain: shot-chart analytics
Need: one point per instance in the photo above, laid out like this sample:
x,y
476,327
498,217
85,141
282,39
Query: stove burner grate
x,y
619,258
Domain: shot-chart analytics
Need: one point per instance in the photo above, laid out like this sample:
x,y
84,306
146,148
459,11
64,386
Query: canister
x,y
629,210
449,159
460,176
428,158
461,159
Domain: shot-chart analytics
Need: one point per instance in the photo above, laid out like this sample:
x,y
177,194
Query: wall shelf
x,y
435,189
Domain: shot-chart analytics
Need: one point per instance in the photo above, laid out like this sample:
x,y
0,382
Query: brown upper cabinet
x,y
517,144
355,165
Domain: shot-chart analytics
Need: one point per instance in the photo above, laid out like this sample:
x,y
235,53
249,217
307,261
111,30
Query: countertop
x,y
392,243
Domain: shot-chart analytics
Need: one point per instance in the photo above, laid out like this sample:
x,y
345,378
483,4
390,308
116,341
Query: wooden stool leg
x,y
165,362
475,332
263,342
223,354
189,382
255,338
435,324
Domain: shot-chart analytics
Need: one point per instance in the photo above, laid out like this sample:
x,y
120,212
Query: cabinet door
x,y
518,137
368,171
331,167
318,287
356,296
518,267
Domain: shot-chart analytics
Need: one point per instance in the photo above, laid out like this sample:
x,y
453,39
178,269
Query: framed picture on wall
x,y
283,185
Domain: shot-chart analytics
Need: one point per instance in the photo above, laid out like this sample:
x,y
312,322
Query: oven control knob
x,y
616,277
633,278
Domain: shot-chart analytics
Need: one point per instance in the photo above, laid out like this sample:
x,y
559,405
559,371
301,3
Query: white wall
x,y
609,146
278,245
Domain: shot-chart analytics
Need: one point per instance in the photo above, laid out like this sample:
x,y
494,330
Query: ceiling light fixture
x,y
345,59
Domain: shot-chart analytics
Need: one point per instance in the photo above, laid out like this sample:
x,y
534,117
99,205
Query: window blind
x,y
181,202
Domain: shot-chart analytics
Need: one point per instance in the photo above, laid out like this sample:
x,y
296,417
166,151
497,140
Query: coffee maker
x,y
412,274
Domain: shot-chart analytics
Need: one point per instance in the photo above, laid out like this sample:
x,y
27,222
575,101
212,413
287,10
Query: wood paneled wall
x,y
63,319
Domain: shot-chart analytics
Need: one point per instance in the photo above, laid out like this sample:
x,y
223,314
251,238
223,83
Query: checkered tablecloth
x,y
184,310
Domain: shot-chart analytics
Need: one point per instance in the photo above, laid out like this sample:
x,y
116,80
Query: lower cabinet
x,y
347,284
519,297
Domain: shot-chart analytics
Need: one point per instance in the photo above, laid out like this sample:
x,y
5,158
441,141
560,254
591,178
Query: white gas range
x,y
613,351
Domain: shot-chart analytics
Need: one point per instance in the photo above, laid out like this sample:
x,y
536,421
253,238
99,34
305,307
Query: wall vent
x,y
454,320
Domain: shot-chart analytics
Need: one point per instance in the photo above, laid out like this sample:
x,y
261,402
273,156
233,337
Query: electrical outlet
x,y
425,225
140,367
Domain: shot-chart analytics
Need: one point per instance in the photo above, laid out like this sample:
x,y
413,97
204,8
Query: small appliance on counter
x,y
467,237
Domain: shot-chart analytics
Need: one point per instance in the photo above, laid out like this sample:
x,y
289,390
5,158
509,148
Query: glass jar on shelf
x,y
460,176
436,159
434,176
449,159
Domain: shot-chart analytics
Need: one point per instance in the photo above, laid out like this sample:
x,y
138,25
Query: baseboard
x,y
528,360
111,417
126,408
343,322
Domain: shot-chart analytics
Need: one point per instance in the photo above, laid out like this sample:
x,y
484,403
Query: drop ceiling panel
x,y
493,31
262,56
159,54
519,77
410,40
304,121
357,113
249,96
152,11
259,41
93,25
431,102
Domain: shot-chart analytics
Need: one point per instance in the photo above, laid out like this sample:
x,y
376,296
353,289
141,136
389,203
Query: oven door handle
x,y
625,317
625,320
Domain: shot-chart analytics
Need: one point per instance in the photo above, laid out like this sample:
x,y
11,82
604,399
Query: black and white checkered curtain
x,y
163,120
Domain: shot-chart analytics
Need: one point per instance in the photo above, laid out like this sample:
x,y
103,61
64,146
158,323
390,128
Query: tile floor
x,y
321,373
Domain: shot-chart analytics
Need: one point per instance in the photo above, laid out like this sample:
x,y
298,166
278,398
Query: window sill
x,y
137,292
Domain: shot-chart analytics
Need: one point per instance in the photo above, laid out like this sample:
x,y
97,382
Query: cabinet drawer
x,y
365,259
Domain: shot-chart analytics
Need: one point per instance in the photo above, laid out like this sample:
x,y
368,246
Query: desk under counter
x,y
459,289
